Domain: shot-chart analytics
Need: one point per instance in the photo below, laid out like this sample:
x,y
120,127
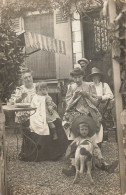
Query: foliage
x,y
16,8
11,59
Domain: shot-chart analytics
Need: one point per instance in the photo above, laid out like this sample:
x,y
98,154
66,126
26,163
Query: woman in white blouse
x,y
37,145
100,90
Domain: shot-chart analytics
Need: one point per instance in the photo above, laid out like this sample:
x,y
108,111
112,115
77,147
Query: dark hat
x,y
88,121
95,71
84,60
76,72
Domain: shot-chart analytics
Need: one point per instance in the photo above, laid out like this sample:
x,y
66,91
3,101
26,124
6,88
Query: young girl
x,y
45,114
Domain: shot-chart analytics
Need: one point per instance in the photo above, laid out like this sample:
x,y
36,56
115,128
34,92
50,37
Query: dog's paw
x,y
90,179
92,182
75,181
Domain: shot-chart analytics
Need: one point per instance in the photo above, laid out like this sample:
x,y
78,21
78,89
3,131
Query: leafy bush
x,y
11,59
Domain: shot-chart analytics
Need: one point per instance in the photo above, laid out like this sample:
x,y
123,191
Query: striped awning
x,y
35,42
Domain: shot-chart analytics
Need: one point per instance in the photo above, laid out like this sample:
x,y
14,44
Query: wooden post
x,y
3,181
118,101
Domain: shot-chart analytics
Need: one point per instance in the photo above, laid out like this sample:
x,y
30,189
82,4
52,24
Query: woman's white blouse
x,y
104,91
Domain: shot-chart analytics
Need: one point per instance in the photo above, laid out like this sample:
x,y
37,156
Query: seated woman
x,y
101,91
79,102
37,146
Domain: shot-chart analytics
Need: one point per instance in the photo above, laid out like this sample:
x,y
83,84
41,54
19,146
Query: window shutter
x,y
60,18
17,24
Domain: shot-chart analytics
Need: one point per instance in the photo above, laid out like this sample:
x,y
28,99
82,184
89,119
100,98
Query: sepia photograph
x,y
62,97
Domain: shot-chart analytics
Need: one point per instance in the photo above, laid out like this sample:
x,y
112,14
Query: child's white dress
x,y
38,123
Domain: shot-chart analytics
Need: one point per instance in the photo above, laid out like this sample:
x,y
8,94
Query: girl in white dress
x,y
45,114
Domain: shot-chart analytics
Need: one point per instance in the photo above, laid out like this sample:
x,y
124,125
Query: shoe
x,y
69,172
111,168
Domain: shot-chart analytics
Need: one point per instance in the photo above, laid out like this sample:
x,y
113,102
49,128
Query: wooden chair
x,y
107,119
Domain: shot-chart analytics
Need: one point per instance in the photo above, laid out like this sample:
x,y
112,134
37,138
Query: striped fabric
x,y
37,41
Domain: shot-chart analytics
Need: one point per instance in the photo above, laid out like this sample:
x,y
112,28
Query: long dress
x,y
103,90
80,106
37,147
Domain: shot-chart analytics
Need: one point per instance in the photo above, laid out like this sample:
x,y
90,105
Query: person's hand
x,y
24,95
50,109
99,97
20,98
66,125
85,94
76,94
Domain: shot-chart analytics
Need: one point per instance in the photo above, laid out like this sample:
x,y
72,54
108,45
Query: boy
x,y
84,130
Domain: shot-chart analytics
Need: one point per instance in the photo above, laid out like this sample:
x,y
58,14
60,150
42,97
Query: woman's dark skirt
x,y
42,147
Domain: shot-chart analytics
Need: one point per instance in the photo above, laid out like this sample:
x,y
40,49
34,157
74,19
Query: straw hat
x,y
123,1
84,119
76,72
95,71
84,60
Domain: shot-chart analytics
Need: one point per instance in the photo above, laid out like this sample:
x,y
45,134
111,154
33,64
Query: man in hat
x,y
83,63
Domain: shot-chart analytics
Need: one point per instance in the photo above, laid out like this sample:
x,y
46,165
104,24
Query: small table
x,y
14,108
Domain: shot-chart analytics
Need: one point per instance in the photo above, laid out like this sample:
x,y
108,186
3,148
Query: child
x,y
82,136
45,111
84,130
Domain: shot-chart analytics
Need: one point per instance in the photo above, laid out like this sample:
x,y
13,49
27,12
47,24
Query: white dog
x,y
83,159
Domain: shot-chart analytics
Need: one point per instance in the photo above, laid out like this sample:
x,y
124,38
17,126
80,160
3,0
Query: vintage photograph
x,y
62,97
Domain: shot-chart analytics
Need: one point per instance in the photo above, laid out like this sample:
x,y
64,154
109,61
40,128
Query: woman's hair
x,y
26,70
40,85
77,72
